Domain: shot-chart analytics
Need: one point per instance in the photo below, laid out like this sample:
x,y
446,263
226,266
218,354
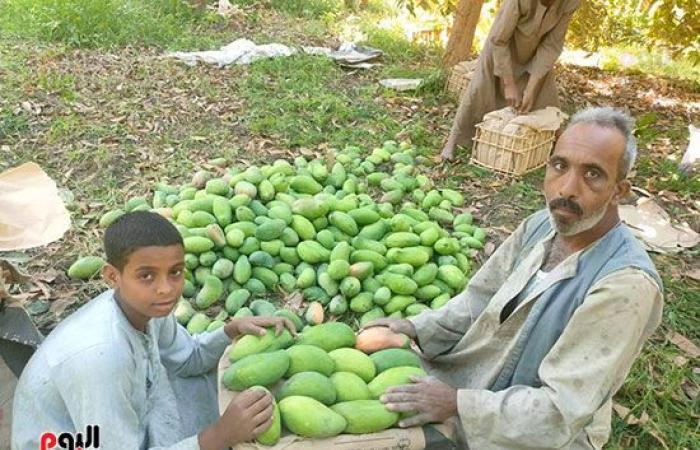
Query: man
x,y
530,354
515,65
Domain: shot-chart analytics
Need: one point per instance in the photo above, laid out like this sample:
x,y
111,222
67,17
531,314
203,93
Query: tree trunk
x,y
459,45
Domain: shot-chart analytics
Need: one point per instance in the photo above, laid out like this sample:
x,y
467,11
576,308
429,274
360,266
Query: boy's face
x,y
151,282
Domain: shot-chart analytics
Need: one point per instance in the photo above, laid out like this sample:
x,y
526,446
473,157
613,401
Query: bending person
x,y
515,65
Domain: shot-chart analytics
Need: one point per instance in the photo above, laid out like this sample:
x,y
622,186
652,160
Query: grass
x,y
115,119
308,9
11,124
655,383
105,23
661,172
304,102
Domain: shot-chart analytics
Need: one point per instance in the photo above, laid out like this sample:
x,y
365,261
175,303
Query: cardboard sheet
x,y
31,212
393,438
651,224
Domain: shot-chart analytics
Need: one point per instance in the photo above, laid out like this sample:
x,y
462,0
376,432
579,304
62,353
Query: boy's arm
x,y
186,355
97,389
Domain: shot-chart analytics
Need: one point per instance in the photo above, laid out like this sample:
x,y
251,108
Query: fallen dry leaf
x,y
680,361
43,288
293,302
659,439
59,306
691,390
630,419
693,274
684,344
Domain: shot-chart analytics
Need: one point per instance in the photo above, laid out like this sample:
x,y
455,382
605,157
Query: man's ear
x,y
111,275
622,189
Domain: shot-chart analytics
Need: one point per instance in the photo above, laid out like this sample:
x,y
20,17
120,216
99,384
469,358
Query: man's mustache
x,y
565,203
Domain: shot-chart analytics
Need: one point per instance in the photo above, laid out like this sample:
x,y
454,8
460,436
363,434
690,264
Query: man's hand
x,y
511,93
431,400
246,416
402,326
530,94
257,326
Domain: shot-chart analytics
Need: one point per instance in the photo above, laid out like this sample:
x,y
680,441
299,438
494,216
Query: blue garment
x,y
153,390
617,250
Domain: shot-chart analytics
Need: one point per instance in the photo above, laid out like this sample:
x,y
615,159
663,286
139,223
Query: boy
x,y
122,363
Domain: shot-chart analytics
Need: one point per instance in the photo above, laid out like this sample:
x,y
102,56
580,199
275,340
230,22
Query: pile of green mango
x,y
356,232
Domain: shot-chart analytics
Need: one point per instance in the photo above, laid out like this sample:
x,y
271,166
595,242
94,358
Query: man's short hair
x,y
135,230
612,118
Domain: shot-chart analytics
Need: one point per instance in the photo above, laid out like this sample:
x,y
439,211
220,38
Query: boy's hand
x,y
257,326
246,416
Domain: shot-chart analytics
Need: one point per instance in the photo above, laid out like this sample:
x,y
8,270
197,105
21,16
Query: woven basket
x,y
460,76
514,154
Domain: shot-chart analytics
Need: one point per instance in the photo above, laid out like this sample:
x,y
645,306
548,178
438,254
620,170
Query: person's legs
x,y
478,99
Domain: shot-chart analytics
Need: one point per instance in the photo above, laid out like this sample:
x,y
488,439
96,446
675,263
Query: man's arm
x,y
500,35
584,369
438,331
550,48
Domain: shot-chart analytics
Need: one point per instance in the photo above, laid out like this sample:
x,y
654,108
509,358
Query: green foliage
x,y
445,7
99,23
677,23
672,24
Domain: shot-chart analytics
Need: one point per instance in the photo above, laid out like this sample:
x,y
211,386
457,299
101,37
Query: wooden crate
x,y
512,153
460,76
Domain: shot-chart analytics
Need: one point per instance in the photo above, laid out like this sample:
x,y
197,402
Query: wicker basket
x,y
460,75
511,153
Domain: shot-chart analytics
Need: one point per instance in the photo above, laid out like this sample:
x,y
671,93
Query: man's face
x,y
151,282
581,184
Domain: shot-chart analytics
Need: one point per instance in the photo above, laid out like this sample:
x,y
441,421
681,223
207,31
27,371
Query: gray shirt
x,y
97,369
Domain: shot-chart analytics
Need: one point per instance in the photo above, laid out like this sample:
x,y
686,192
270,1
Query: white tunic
x,y
153,390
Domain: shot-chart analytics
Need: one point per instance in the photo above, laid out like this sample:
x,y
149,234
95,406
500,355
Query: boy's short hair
x,y
135,230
